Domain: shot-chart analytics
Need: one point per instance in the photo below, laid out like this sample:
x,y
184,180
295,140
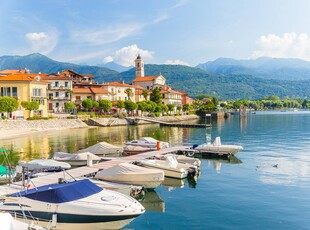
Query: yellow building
x,y
25,87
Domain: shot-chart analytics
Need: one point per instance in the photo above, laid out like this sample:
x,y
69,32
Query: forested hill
x,y
194,81
39,63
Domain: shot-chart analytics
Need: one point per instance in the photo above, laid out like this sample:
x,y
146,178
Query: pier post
x,y
89,161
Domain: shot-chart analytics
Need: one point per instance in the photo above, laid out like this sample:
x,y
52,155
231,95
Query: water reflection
x,y
152,202
217,163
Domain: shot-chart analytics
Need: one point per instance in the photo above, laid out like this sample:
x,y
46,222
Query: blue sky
x,y
162,31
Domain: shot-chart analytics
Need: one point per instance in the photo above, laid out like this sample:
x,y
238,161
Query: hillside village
x,y
53,91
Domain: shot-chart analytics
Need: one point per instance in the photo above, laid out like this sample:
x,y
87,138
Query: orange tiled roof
x,y
25,77
138,87
171,91
118,84
12,71
88,75
99,90
82,90
146,78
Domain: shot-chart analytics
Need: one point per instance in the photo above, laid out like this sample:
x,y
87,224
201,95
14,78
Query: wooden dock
x,y
89,170
162,123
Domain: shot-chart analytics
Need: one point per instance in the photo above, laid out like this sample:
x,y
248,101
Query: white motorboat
x,y
46,164
77,202
9,223
170,166
132,150
79,159
103,149
132,174
217,148
184,159
148,142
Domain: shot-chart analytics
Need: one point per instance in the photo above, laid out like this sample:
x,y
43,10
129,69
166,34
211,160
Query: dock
x,y
185,125
91,170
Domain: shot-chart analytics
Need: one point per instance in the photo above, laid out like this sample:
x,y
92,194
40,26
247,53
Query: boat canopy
x,y
61,193
45,164
75,157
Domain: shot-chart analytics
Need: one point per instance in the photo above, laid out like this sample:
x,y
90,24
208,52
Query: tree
x,y
128,91
215,101
151,106
179,108
69,106
33,105
8,104
170,107
120,104
142,105
130,106
87,103
145,93
105,105
95,104
156,96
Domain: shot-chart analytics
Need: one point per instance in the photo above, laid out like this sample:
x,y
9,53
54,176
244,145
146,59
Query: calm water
x,y
246,193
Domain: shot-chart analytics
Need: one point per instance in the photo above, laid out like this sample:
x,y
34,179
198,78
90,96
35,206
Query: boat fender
x,y
54,220
190,154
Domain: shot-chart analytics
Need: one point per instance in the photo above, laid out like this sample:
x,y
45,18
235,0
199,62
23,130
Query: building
x,y
59,91
93,93
25,87
117,91
151,82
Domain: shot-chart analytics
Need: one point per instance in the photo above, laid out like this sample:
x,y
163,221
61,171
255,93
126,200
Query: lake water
x,y
246,193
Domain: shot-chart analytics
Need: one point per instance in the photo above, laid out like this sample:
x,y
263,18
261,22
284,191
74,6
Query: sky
x,y
185,32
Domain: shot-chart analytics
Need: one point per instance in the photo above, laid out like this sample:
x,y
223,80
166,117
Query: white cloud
x,y
161,18
176,62
180,3
43,42
107,59
290,45
36,36
126,55
106,35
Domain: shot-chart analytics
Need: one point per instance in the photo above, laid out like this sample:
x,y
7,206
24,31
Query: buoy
x,y
158,145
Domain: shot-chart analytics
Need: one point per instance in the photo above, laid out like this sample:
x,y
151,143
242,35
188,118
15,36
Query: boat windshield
x,y
61,193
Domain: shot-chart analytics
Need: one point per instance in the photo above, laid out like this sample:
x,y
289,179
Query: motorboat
x,y
170,166
103,149
132,150
184,159
45,165
79,159
8,222
148,142
127,173
217,148
77,202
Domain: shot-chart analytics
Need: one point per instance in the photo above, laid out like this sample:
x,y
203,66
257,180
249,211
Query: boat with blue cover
x,y
76,202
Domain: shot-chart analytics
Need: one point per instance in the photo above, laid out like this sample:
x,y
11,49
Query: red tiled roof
x,y
171,91
146,78
57,77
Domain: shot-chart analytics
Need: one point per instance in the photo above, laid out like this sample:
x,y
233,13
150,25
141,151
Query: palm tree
x,y
128,91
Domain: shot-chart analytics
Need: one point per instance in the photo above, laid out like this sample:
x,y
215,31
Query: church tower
x,y
139,67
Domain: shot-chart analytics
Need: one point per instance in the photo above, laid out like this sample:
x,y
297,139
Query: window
x,y
5,91
66,84
56,94
56,83
67,94
37,92
57,104
89,97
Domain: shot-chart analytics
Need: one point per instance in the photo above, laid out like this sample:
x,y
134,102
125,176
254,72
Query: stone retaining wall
x,y
40,125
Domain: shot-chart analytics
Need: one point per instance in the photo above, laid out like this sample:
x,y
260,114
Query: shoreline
x,y
15,128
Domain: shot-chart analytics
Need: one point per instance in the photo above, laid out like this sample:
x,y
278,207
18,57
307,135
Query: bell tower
x,y
139,66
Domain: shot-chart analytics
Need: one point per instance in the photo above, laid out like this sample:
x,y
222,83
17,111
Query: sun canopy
x,y
45,164
61,193
74,157
102,148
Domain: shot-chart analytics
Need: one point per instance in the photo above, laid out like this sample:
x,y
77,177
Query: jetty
x,y
93,169
163,123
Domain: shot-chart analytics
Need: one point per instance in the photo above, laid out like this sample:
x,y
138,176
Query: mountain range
x,y
224,78
263,67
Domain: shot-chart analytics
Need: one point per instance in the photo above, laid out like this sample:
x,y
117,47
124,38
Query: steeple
x,y
139,66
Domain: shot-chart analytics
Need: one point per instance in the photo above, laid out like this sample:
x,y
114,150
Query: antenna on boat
x,y
208,128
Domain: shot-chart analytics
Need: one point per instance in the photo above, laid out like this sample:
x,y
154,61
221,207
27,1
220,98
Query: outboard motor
x,y
195,146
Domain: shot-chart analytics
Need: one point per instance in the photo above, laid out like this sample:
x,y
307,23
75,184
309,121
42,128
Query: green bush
x,y
157,114
71,117
37,118
4,117
120,115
